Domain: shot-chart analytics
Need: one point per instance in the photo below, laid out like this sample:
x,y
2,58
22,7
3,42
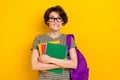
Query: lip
x,y
56,25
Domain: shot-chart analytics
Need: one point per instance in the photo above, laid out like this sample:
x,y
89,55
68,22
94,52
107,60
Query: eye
x,y
51,18
59,19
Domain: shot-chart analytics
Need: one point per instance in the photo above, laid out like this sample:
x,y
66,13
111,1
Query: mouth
x,y
56,25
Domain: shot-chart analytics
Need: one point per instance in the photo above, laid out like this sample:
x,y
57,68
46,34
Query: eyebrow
x,y
54,17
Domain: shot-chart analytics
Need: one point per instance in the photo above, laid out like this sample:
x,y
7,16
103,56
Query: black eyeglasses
x,y
53,19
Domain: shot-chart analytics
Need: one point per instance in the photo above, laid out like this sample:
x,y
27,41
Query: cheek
x,y
61,24
50,24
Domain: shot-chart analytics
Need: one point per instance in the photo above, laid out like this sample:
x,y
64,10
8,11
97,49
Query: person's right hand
x,y
45,58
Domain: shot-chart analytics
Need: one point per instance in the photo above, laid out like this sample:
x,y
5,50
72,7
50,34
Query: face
x,y
55,21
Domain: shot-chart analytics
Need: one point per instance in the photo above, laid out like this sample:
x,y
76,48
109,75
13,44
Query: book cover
x,y
56,51
42,46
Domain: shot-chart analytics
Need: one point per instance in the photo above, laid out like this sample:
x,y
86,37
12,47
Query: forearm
x,y
72,63
37,65
64,63
43,66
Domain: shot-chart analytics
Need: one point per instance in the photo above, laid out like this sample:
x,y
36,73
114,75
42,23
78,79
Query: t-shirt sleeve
x,y
73,44
35,43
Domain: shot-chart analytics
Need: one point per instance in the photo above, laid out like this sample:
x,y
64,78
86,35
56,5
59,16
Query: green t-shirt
x,y
46,38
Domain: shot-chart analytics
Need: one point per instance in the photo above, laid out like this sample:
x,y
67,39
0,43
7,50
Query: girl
x,y
55,18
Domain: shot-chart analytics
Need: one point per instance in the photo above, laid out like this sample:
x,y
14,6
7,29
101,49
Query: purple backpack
x,y
82,71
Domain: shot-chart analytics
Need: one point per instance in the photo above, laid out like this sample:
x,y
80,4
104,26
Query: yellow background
x,y
95,24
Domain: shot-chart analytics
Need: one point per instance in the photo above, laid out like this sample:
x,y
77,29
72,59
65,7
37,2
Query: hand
x,y
45,58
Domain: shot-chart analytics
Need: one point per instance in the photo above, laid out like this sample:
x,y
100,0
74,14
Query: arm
x,y
72,63
36,65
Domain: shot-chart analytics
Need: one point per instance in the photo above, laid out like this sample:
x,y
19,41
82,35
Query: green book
x,y
57,51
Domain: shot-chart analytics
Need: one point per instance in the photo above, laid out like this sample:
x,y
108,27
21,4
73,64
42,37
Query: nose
x,y
55,20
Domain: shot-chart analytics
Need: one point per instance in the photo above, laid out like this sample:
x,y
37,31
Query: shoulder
x,y
68,35
63,35
40,36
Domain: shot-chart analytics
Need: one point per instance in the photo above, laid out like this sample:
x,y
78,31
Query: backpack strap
x,y
69,37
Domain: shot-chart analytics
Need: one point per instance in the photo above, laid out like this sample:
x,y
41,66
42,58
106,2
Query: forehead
x,y
54,14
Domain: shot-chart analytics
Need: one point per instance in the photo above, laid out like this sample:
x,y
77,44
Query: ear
x,y
62,22
48,22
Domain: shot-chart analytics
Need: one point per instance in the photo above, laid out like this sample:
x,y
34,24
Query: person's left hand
x,y
45,58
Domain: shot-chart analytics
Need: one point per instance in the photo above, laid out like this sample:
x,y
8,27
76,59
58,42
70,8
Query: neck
x,y
54,34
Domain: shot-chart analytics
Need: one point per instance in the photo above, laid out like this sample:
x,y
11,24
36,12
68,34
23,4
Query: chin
x,y
55,29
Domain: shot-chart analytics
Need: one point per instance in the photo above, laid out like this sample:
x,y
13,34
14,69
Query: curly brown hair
x,y
58,9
